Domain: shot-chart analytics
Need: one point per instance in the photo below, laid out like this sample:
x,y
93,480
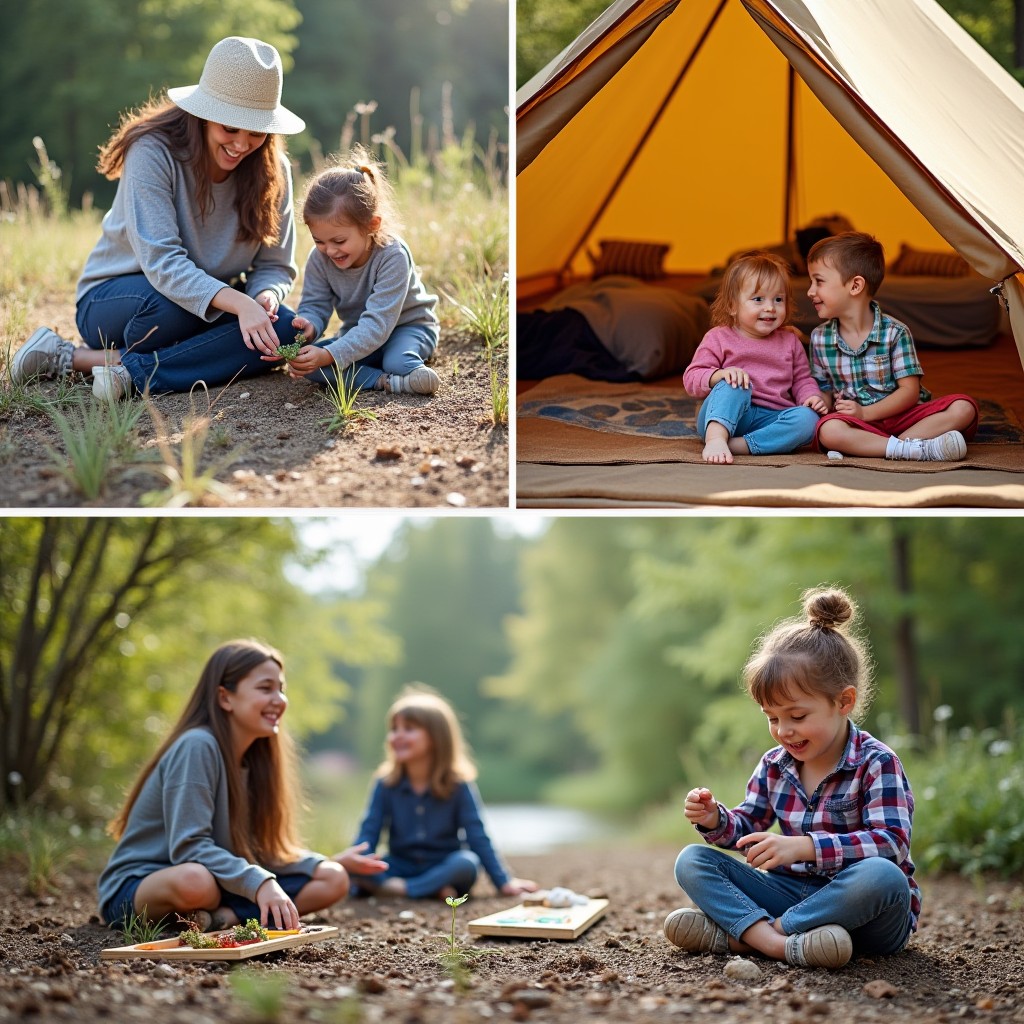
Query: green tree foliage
x,y
76,67
545,27
996,24
105,624
635,632
447,585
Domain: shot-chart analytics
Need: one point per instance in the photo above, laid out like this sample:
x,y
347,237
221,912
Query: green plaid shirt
x,y
870,373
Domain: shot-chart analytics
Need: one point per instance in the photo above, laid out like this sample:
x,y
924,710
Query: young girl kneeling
x,y
425,797
751,369
208,829
360,269
839,878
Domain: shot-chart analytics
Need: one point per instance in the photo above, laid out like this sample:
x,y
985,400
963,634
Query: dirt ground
x,y
271,448
964,963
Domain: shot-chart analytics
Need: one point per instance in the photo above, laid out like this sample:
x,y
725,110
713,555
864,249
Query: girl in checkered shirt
x,y
837,878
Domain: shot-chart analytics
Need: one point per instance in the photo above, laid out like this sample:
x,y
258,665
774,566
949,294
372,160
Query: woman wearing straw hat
x,y
201,226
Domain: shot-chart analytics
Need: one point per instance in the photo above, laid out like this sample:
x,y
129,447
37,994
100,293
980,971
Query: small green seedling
x,y
457,960
293,348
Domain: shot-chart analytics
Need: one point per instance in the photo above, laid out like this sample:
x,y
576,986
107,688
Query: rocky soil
x,y
964,963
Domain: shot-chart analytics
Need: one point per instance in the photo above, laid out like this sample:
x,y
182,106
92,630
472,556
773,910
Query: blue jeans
x,y
870,898
766,431
408,348
458,869
182,350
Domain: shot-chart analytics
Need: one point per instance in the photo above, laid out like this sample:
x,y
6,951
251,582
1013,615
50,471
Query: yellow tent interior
x,y
707,140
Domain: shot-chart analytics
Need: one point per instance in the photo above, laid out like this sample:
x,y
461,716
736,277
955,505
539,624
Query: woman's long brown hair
x,y
262,814
260,183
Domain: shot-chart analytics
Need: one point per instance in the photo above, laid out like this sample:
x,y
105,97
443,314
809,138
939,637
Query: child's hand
x,y
818,404
300,323
356,860
734,376
310,358
515,886
848,407
701,808
276,909
769,850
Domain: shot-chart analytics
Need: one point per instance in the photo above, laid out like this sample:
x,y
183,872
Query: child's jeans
x,y
766,431
408,348
870,898
458,869
182,350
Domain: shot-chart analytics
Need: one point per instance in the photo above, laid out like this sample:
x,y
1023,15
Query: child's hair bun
x,y
827,607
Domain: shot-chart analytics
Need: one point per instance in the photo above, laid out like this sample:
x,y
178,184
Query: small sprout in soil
x,y
457,960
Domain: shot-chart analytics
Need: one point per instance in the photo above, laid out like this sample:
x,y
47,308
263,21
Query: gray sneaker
x,y
45,354
947,447
111,383
422,381
828,946
695,932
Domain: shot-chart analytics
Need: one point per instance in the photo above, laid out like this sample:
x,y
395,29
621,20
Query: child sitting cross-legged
x,y
867,367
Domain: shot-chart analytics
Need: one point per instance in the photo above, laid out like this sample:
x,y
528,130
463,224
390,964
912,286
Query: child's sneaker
x,y
111,383
422,381
695,932
947,447
828,946
45,354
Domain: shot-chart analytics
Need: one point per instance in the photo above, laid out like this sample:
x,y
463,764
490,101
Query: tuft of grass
x,y
39,846
188,483
98,437
483,308
340,395
499,396
139,928
264,997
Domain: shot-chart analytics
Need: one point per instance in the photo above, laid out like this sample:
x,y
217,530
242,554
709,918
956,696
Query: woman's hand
x,y
275,906
515,886
701,808
357,861
769,850
268,300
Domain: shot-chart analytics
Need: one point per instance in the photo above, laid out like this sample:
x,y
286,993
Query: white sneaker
x,y
947,447
422,381
111,383
45,354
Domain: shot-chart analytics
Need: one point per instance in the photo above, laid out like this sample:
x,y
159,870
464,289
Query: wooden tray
x,y
533,922
168,949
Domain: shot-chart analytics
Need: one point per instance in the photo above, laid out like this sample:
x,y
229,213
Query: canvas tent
x,y
721,124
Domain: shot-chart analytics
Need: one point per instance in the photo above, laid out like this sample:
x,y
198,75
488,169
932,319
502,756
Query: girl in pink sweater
x,y
751,369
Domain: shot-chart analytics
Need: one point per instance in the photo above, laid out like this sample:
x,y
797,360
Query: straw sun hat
x,y
240,87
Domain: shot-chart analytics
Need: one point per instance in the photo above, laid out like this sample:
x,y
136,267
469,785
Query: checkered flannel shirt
x,y
863,808
870,373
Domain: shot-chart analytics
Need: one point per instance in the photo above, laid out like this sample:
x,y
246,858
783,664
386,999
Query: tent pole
x,y
617,184
788,197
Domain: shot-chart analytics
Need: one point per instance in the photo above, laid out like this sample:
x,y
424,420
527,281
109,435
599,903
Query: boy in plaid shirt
x,y
866,366
838,877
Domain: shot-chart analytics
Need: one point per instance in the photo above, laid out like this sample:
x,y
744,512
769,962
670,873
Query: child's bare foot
x,y
717,451
391,887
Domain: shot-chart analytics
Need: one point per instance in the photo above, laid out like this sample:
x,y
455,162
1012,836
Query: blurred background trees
x,y
433,71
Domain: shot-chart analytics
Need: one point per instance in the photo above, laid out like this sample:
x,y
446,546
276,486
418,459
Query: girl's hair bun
x,y
827,608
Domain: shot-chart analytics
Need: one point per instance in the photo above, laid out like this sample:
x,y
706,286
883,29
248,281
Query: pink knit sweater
x,y
777,366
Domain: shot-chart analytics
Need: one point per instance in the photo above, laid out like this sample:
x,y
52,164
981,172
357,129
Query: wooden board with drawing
x,y
539,922
169,949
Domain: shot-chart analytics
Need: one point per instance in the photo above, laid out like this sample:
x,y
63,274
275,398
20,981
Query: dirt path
x,y
270,447
964,963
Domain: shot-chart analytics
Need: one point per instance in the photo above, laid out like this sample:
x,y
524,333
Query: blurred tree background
x,y
432,71
545,27
595,662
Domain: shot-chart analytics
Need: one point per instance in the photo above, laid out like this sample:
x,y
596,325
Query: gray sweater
x,y
371,301
154,228
181,815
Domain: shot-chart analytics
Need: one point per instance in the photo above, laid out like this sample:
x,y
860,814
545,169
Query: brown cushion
x,y
635,259
916,263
